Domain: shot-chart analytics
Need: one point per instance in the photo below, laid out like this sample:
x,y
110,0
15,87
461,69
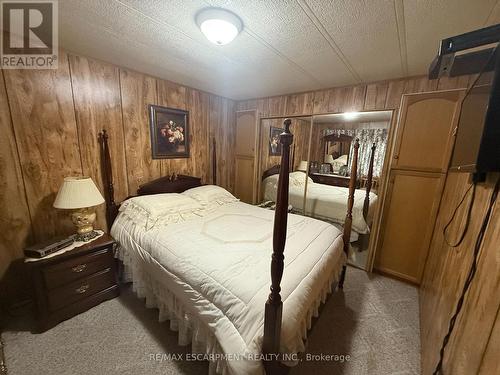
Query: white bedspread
x,y
326,202
216,271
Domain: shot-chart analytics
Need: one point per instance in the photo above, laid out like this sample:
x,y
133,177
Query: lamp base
x,y
84,221
85,237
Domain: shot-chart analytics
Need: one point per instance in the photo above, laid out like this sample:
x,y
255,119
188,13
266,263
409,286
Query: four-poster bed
x,y
301,287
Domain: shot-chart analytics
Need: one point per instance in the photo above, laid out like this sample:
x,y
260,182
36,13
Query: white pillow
x,y
295,179
342,159
156,210
211,196
298,178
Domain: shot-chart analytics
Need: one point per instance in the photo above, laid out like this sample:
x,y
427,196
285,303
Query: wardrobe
x,y
418,165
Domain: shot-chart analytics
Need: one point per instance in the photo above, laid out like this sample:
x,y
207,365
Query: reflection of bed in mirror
x,y
325,201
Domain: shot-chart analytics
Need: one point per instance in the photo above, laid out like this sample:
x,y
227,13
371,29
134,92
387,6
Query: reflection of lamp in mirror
x,y
80,193
302,166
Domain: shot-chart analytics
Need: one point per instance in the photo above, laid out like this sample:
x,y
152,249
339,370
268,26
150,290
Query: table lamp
x,y
79,194
329,159
302,166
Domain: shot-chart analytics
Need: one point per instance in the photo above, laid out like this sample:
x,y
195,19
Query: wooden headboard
x,y
167,184
275,169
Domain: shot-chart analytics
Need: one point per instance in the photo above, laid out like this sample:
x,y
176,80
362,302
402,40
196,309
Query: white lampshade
x,y
302,166
329,159
78,192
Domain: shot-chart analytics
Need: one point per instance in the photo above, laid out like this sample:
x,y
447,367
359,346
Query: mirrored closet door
x,y
330,159
321,159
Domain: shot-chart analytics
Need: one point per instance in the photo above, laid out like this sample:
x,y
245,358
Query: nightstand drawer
x,y
70,270
78,290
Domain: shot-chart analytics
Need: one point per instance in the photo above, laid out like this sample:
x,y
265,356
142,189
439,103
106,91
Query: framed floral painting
x,y
169,132
274,141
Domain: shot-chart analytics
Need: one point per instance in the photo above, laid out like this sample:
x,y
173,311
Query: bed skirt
x,y
192,330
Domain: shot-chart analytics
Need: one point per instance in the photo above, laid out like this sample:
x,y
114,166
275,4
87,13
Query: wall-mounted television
x,y
477,144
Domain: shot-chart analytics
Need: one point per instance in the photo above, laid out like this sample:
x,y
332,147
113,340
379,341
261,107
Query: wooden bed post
x,y
273,309
350,203
214,162
107,179
366,204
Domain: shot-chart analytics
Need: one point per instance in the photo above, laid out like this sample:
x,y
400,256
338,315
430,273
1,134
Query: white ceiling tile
x,y
280,29
365,32
430,21
284,25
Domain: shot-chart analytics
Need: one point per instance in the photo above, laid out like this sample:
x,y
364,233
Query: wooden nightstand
x,y
73,282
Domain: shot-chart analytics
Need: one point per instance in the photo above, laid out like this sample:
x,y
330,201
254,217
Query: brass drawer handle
x,y
82,289
79,268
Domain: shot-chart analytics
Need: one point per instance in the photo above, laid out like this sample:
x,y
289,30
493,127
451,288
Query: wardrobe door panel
x,y
412,203
246,144
425,130
244,178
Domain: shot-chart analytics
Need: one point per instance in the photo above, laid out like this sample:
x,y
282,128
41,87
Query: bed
x,y
202,257
326,202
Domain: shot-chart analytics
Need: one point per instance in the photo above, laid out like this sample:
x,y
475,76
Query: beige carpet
x,y
374,321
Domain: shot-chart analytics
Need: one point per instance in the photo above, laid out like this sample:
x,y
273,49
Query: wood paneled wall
x,y
444,276
317,143
300,140
300,129
475,344
49,120
365,97
15,222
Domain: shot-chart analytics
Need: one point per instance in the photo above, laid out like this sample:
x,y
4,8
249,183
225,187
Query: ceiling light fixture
x,y
351,115
220,26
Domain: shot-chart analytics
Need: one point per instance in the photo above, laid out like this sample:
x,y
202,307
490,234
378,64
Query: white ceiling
x,y
286,45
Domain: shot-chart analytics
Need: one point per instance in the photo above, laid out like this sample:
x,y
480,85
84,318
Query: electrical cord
x,y
470,277
467,220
